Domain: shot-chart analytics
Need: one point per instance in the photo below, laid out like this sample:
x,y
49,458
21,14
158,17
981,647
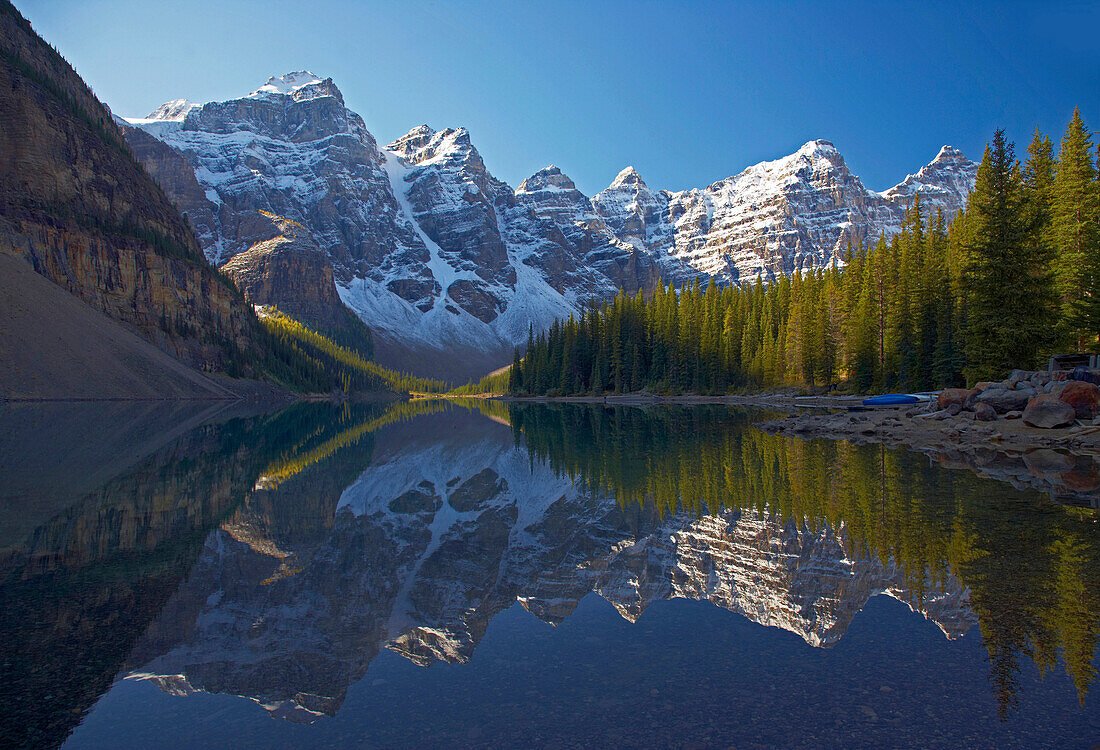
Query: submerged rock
x,y
1045,462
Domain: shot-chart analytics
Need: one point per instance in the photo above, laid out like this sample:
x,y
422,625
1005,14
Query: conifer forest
x,y
1014,278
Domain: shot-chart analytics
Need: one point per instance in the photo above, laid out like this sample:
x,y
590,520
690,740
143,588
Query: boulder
x,y
1084,397
1060,375
1014,414
1019,376
950,396
1047,411
1003,400
954,409
985,413
1040,378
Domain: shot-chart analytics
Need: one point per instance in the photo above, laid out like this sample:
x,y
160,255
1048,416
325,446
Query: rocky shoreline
x,y
1034,430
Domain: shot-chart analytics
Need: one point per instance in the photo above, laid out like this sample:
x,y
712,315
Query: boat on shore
x,y
898,399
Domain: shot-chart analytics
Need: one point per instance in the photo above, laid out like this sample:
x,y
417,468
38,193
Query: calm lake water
x,y
438,575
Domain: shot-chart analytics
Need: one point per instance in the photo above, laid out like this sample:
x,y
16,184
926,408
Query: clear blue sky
x,y
688,93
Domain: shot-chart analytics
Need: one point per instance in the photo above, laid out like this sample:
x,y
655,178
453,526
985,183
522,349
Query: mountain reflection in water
x,y
277,557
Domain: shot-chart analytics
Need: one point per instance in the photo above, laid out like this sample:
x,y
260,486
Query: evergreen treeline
x,y
1014,278
307,361
892,504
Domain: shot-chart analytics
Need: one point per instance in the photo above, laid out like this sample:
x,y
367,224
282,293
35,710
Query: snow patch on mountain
x,y
286,84
172,111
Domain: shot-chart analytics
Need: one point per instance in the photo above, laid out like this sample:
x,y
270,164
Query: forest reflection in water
x,y
1032,567
275,556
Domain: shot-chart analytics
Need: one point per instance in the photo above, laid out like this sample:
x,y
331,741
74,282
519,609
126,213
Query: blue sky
x,y
688,93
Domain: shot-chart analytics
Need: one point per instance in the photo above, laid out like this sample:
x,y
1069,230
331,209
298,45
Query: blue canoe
x,y
891,399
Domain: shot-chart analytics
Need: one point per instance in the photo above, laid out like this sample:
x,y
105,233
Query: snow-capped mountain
x,y
777,217
451,524
438,256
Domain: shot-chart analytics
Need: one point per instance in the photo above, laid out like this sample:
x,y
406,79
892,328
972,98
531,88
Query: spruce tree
x,y
1008,285
1075,215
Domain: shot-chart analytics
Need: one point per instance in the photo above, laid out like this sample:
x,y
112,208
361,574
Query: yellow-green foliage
x,y
320,365
495,410
493,384
307,452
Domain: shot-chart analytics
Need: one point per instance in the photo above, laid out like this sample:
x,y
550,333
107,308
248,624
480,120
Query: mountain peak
x,y
423,145
549,177
301,85
950,174
817,145
287,84
172,111
629,177
949,155
414,140
818,150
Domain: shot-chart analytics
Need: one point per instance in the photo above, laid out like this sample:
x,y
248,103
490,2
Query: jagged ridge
x,y
438,256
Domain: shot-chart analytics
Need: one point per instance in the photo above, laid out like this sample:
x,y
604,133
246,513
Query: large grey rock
x,y
1002,399
985,413
1019,376
1040,378
1048,412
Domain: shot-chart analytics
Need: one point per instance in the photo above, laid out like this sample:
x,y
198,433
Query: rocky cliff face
x,y
76,206
441,258
289,271
451,524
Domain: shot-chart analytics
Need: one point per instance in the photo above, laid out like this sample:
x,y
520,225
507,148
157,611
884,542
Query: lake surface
x,y
438,575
